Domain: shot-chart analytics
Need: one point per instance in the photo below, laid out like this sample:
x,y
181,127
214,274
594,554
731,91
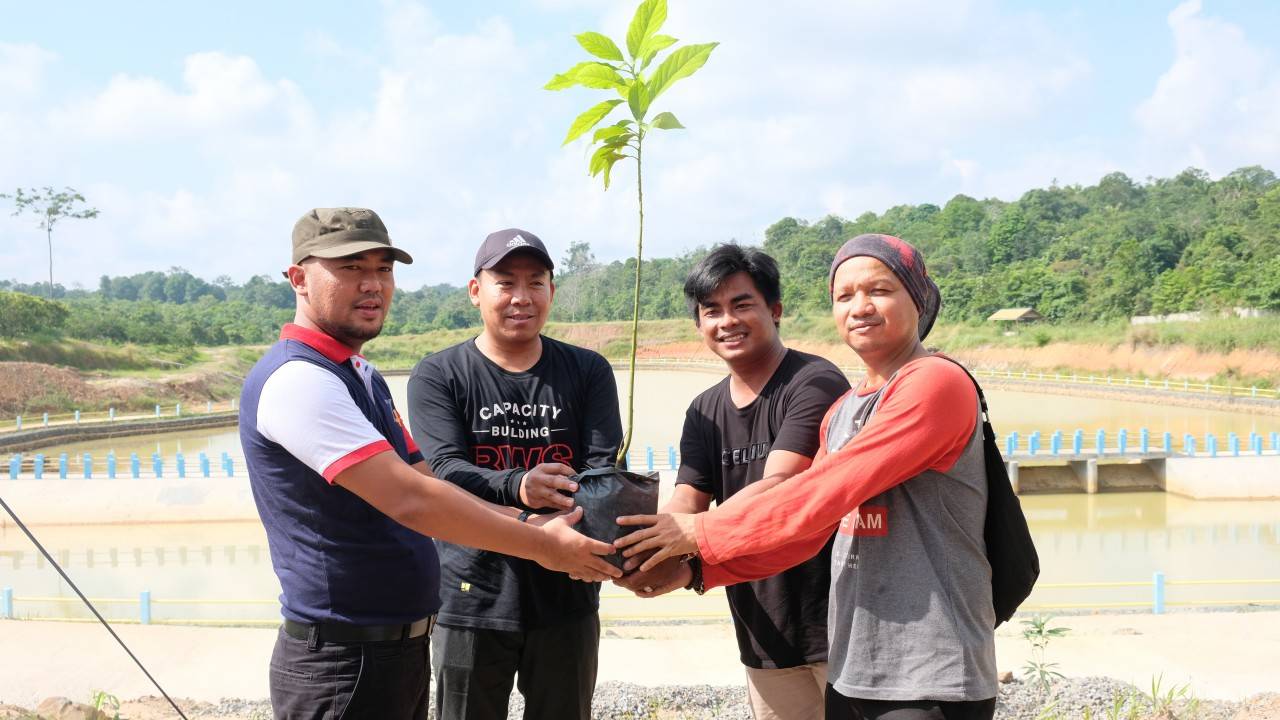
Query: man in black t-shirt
x,y
743,435
510,416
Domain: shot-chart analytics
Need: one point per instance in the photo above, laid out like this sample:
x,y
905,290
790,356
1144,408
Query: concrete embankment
x,y
56,434
1202,477
128,501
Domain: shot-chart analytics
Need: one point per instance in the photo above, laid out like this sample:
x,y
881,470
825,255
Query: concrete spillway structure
x,y
1243,477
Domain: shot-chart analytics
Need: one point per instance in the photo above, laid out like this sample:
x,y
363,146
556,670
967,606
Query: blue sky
x,y
203,131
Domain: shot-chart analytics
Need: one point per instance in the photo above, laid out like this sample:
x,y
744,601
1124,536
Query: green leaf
x,y
600,46
680,64
666,121
599,157
589,119
648,18
609,131
560,82
653,46
638,99
598,75
608,168
619,141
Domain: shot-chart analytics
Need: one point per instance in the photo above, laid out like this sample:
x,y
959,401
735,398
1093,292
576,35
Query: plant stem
x,y
48,234
635,310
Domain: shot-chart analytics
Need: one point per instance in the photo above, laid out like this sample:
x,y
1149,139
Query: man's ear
x,y
473,291
297,279
776,311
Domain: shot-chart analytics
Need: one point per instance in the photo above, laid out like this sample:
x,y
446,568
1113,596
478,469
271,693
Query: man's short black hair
x,y
725,260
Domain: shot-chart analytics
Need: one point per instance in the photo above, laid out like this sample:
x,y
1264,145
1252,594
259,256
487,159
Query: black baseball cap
x,y
504,242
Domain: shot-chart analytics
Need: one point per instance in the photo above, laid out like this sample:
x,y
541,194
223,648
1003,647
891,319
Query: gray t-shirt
x,y
910,616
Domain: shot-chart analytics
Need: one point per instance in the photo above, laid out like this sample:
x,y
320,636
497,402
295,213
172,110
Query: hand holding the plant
x,y
541,486
569,551
670,574
670,535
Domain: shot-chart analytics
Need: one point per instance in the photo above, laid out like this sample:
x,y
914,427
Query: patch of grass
x,y
83,355
402,352
1214,335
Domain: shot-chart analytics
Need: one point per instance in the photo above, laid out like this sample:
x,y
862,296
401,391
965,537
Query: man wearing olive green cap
x,y
345,497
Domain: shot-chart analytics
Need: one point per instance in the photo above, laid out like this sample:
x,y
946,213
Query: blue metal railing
x,y
649,458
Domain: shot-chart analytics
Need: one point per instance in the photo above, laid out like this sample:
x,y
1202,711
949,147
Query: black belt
x,y
346,633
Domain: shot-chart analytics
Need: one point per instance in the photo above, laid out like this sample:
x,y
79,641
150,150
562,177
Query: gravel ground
x,y
1104,697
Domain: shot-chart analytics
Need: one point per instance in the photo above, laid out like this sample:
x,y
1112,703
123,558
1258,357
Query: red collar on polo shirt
x,y
325,344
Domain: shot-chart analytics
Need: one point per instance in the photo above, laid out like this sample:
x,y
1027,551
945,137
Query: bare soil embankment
x,y
1134,360
1137,359
30,387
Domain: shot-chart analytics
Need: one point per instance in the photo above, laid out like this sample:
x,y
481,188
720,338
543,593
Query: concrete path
x,y
1222,655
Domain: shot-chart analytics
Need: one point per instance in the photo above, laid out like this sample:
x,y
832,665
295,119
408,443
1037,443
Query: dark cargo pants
x,y
554,668
361,681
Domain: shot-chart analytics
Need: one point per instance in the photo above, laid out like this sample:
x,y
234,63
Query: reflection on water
x,y
1026,412
213,441
1081,538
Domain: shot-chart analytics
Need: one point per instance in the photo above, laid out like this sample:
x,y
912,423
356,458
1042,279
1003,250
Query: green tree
x,y
625,75
51,206
22,315
1010,237
574,284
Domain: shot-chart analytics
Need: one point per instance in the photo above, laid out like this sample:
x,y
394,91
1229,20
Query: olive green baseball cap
x,y
339,232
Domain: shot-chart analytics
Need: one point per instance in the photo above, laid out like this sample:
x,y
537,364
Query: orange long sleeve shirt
x,y
924,422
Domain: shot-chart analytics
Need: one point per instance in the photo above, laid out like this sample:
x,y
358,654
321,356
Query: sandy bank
x,y
1221,654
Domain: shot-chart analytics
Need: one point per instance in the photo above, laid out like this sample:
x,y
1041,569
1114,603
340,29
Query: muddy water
x,y
1082,539
663,395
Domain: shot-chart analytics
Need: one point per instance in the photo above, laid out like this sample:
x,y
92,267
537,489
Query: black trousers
x,y
554,668
364,681
840,707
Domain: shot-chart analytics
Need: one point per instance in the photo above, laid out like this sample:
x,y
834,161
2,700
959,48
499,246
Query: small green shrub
x,y
1038,632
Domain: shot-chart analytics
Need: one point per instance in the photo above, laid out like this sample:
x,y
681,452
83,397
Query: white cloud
x,y
814,107
22,69
806,108
1218,105
220,91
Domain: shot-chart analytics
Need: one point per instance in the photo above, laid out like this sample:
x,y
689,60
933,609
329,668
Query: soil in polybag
x,y
605,494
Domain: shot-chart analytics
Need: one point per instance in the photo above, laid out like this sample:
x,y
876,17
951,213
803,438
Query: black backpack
x,y
1015,566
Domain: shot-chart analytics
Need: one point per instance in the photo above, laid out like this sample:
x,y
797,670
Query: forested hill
x,y
1117,248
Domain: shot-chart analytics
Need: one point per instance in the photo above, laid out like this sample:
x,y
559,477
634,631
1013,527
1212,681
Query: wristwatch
x,y
696,583
524,515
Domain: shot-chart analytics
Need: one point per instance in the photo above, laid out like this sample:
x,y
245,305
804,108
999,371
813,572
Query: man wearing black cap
x,y
345,497
511,416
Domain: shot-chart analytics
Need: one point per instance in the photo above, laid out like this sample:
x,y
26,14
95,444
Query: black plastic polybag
x,y
605,494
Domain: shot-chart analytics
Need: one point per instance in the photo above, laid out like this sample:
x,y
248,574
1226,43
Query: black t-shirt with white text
x,y
780,621
482,427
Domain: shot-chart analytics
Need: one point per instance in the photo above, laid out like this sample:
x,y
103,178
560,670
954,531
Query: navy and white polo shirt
x,y
311,408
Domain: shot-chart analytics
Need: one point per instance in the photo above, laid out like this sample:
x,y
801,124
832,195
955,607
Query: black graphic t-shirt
x,y
781,621
482,427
